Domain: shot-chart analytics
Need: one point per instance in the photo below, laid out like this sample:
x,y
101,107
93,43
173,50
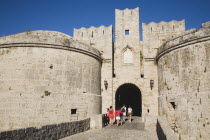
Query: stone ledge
x,y
54,46
47,39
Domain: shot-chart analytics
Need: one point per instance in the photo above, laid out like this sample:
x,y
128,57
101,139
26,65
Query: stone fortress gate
x,y
129,72
53,85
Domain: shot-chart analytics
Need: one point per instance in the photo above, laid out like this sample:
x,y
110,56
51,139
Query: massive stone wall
x,y
184,77
47,78
154,34
101,38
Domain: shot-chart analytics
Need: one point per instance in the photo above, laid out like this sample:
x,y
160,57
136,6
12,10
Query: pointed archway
x,y
129,94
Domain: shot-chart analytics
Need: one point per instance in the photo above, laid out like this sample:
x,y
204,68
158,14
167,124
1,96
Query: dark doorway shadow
x,y
129,94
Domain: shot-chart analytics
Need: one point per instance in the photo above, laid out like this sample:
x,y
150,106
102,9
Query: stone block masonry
x,y
184,77
100,38
48,132
47,78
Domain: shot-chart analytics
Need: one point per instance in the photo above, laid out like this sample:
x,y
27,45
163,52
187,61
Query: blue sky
x,y
64,15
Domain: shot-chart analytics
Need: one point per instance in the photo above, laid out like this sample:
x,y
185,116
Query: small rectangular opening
x,y
142,75
73,111
127,32
114,75
173,104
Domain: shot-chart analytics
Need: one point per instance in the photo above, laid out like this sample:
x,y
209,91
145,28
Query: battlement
x,y
127,27
192,36
92,32
172,26
163,31
99,38
127,12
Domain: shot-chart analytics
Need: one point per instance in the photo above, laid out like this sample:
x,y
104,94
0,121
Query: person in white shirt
x,y
130,112
124,112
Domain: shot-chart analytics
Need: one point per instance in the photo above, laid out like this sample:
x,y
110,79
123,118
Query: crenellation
x,y
164,26
100,38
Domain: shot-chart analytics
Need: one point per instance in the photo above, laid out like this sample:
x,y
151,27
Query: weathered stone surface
x,y
42,80
46,77
183,70
164,130
101,38
206,25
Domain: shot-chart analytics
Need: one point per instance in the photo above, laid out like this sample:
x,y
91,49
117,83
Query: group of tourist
x,y
119,115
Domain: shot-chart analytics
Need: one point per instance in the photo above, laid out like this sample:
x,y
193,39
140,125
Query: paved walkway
x,y
128,131
110,134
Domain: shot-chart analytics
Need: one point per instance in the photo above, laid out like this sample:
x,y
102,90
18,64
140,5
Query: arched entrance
x,y
129,94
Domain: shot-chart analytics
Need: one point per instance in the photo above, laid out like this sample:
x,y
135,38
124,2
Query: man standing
x,y
124,112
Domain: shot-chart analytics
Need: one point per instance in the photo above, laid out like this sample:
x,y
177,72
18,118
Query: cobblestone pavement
x,y
114,134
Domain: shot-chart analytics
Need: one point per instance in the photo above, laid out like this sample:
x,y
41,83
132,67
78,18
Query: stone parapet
x,y
48,39
48,132
188,38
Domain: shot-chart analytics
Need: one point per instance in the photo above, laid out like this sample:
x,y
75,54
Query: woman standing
x,y
111,116
130,111
118,113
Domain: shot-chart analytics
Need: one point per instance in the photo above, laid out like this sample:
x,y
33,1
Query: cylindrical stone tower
x,y
47,78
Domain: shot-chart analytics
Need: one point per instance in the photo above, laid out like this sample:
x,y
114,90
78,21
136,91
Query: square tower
x,y
127,27
127,62
127,43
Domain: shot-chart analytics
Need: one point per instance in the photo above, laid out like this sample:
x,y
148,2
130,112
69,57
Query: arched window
x,y
128,56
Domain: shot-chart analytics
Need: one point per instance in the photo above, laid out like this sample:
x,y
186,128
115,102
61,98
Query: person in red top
x,y
111,116
118,112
